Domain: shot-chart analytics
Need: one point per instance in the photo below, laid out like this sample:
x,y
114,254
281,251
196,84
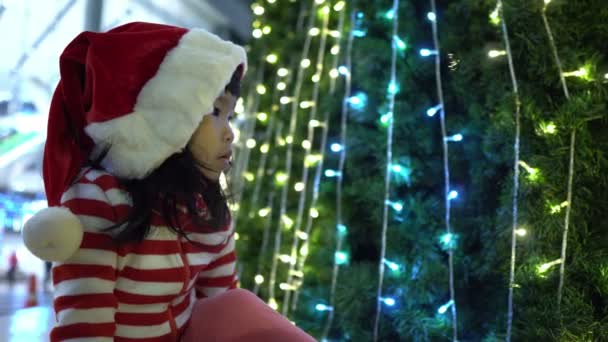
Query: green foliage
x,y
479,104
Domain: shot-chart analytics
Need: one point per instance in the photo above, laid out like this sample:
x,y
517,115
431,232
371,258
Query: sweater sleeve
x,y
85,303
220,274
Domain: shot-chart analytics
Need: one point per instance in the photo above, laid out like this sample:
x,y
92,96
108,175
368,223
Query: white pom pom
x,y
53,234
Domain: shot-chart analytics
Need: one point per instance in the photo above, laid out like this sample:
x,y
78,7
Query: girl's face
x,y
211,143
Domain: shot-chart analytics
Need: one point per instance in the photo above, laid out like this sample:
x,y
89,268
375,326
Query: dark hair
x,y
178,180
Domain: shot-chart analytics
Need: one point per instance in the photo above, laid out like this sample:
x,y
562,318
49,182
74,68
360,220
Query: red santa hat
x,y
138,92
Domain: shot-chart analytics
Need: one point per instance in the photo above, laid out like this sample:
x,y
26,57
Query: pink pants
x,y
239,315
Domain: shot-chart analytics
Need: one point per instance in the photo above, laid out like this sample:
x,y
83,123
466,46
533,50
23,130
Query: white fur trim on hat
x,y
170,106
53,234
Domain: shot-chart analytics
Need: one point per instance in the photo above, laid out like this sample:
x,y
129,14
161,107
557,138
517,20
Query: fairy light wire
x,y
343,128
446,171
558,63
289,153
304,178
318,171
516,149
389,158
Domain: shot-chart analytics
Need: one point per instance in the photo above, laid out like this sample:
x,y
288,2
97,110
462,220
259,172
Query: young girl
x,y
139,134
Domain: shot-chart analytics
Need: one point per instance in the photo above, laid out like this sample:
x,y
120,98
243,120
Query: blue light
x,y
433,110
388,301
343,70
341,258
457,137
392,265
331,173
397,206
453,194
359,33
335,147
358,101
390,14
446,238
427,52
431,16
396,168
341,229
323,307
393,87
445,307
400,43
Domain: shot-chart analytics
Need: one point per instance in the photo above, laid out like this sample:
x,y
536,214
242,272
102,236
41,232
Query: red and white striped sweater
x,y
140,291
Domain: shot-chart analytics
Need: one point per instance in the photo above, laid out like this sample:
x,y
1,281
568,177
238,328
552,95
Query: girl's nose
x,y
229,135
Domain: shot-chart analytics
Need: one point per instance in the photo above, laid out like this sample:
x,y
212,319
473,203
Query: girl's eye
x,y
216,111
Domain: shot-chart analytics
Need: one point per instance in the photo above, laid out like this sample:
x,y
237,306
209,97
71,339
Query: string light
x,y
453,195
264,212
331,173
299,186
257,9
584,71
341,258
521,232
305,62
444,308
282,72
323,307
335,147
257,33
543,268
324,132
263,117
391,265
533,173
259,279
261,89
448,239
499,19
431,16
387,178
272,58
251,143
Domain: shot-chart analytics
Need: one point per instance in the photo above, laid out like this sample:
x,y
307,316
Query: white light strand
x,y
446,172
387,180
318,174
265,238
562,266
516,149
307,152
267,140
289,153
343,127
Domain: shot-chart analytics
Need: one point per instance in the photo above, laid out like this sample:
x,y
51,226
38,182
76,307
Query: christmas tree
x,y
421,171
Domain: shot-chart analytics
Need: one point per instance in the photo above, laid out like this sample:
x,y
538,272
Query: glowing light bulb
x,y
388,301
285,258
289,139
542,269
335,50
249,176
258,10
306,104
285,99
299,186
304,250
302,235
341,229
431,16
264,148
287,221
495,16
314,123
335,147
261,89
400,43
582,72
257,33
339,6
259,279
397,206
282,72
442,309
333,73
281,85
521,232
281,177
433,110
323,307
273,303
314,212
343,70
341,258
455,137
264,212
251,143
452,194
331,173
496,53
315,78
393,87
305,63
266,29
272,58
390,14
306,144
427,52
392,265
314,31
262,116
